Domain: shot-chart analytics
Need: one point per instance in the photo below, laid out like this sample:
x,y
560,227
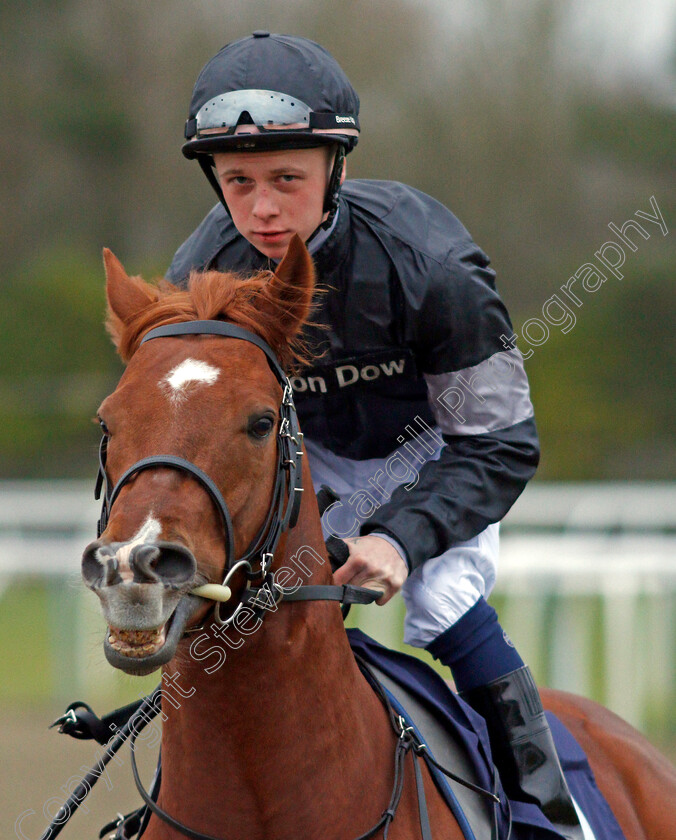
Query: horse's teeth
x,y
136,643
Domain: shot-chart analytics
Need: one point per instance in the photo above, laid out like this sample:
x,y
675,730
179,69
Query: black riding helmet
x,y
290,88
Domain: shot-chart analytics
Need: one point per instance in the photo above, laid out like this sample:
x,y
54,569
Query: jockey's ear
x,y
127,296
291,288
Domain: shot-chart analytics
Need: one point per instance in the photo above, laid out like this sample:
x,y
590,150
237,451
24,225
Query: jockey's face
x,y
272,195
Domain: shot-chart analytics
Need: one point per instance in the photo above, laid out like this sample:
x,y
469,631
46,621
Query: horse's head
x,y
211,401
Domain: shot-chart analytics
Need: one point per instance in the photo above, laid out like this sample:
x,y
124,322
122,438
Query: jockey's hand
x,y
375,564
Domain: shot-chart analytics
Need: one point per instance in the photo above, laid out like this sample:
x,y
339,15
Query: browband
x,y
218,328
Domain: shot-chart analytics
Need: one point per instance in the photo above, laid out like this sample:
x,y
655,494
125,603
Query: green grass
x,y
25,670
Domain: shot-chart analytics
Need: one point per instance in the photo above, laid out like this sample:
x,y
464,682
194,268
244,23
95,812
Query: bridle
x,y
286,498
288,487
284,507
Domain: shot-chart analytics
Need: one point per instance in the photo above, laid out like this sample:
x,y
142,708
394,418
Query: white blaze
x,y
190,370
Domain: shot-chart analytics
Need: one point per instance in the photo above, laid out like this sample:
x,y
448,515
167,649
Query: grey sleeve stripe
x,y
489,396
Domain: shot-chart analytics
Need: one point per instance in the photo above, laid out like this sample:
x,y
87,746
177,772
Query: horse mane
x,y
210,295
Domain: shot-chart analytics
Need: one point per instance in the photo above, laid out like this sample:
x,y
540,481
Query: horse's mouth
x,y
136,643
140,652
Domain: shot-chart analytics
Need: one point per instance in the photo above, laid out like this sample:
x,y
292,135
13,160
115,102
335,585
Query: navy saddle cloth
x,y
431,705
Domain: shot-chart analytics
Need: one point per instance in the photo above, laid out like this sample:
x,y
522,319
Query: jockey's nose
x,y
107,564
265,207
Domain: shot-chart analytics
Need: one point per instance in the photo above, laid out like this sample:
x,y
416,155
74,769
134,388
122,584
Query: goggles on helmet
x,y
269,111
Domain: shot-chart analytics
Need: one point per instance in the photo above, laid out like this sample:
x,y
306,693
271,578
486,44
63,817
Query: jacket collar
x,y
333,251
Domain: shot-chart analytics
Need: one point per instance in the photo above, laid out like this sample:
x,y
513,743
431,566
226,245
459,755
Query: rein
x,y
79,721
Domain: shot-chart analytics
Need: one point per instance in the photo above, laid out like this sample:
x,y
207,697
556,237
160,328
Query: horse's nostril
x,y
143,562
98,564
163,562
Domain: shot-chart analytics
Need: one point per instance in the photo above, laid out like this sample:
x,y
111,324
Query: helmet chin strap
x,y
333,187
330,198
205,162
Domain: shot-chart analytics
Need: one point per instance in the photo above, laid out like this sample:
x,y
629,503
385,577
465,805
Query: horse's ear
x,y
127,296
291,288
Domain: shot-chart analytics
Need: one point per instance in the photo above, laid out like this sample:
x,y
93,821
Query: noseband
x,y
287,493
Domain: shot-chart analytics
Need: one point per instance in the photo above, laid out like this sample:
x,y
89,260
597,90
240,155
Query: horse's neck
x,y
286,719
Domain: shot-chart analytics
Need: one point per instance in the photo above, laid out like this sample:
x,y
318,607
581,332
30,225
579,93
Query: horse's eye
x,y
104,428
262,427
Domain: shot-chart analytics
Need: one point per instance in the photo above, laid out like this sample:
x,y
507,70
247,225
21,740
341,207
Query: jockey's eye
x,y
260,427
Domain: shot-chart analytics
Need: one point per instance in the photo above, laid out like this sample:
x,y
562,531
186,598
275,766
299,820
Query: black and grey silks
x,y
416,329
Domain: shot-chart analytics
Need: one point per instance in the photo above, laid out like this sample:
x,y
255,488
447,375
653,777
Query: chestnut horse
x,y
277,733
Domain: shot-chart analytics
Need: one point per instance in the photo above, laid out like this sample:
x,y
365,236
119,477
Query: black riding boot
x,y
523,747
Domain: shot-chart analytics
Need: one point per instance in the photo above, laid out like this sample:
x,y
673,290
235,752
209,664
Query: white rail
x,y
587,585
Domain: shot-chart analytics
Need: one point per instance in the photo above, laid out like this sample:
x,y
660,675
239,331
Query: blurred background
x,y
539,123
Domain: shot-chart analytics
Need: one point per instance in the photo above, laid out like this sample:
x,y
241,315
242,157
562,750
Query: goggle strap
x,y
322,120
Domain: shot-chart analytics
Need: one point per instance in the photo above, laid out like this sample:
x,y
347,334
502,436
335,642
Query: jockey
x,y
417,412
